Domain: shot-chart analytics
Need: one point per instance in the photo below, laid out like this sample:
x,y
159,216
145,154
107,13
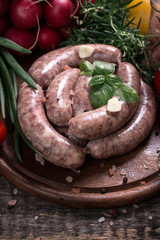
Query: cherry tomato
x,y
2,132
157,82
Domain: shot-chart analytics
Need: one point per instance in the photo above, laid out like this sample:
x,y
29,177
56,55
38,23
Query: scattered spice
x,y
113,212
156,132
69,179
43,100
12,203
124,210
103,190
76,190
102,165
107,214
123,172
142,183
135,206
101,219
111,223
146,167
111,172
114,168
125,180
66,67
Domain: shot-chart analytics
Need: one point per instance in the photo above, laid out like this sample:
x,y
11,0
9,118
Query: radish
x,y
24,38
24,13
4,6
49,38
4,23
59,13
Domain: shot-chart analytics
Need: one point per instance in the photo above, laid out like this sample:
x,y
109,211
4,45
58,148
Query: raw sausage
x,y
98,123
36,127
81,100
45,68
132,134
59,96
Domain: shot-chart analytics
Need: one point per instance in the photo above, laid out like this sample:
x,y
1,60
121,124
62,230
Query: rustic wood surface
x,y
34,219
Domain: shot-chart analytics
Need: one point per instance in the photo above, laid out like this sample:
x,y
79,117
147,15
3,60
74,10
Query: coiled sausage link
x,y
58,96
132,134
98,123
45,68
81,98
35,125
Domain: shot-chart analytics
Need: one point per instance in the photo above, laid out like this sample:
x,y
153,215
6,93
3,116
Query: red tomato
x,y
157,82
2,132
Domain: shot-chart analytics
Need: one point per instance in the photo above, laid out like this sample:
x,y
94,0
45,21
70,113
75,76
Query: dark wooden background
x,y
34,219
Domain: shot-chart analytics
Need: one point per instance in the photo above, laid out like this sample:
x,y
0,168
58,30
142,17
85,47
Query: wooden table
x,y
31,218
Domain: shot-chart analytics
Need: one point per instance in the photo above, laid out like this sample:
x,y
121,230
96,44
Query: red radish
x,y
59,13
4,23
24,38
24,13
4,6
48,38
2,132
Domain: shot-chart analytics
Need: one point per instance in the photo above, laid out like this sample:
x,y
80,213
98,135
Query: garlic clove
x,y
114,105
85,51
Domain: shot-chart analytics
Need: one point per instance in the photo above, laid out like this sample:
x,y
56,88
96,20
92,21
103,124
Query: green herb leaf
x,y
126,93
86,68
100,94
103,68
113,79
98,79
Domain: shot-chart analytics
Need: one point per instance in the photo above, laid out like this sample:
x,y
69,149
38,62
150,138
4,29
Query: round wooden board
x,y
91,185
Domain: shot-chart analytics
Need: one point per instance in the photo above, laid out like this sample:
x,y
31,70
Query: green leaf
x,y
100,94
86,68
113,79
98,79
103,68
126,93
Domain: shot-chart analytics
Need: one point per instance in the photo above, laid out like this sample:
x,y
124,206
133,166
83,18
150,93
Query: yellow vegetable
x,y
142,12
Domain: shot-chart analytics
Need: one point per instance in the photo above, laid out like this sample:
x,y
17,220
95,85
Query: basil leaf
x,y
103,68
113,79
100,94
98,79
86,68
126,93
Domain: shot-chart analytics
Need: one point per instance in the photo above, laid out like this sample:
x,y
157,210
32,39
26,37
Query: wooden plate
x,y
136,177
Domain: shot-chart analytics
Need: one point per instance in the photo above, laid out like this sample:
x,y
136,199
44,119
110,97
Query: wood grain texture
x,y
31,218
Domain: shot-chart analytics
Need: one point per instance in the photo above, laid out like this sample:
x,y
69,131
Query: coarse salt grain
x,y
35,218
124,210
15,191
69,179
111,223
101,219
114,167
135,206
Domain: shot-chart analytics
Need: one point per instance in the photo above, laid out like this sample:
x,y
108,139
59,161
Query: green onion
x,y
10,60
2,98
4,42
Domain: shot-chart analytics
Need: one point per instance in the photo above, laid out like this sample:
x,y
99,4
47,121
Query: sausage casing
x,y
59,96
54,147
132,134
